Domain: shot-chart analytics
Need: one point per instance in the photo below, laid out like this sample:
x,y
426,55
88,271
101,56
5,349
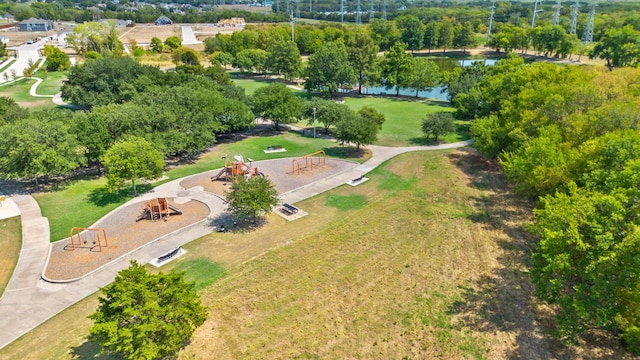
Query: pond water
x,y
437,93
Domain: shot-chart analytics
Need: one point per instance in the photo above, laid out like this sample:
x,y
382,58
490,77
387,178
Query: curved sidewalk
x,y
29,301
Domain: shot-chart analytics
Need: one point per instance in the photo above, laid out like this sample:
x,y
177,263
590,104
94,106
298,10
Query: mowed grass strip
x,y
10,244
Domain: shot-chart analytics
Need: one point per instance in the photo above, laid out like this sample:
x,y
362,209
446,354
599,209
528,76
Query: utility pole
x,y
574,17
310,4
533,17
384,10
371,13
533,20
556,14
493,9
358,13
587,36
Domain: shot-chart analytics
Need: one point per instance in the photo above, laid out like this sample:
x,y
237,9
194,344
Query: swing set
x,y
317,158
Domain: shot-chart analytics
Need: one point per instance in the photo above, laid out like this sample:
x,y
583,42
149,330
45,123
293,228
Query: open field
x,y
402,126
10,244
441,273
52,82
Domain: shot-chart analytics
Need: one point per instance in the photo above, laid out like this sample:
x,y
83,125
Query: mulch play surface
x,y
279,171
124,234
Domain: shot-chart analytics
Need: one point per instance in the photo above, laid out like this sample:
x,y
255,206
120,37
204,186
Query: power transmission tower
x,y
587,36
293,39
493,10
371,13
384,10
342,12
358,13
556,14
574,17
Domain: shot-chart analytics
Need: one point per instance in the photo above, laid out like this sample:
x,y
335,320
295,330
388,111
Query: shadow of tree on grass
x,y
504,300
103,196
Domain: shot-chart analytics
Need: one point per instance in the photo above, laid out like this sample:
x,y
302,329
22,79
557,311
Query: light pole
x,y
314,123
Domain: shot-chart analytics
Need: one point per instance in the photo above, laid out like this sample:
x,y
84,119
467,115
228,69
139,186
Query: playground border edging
x,y
66,281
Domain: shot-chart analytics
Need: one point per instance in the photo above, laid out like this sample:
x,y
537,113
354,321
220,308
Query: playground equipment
x,y
95,235
156,209
316,157
237,167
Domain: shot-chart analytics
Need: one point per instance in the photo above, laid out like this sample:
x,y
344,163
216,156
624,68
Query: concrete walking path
x,y
29,301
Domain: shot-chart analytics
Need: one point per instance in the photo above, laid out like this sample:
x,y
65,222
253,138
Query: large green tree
x,y
252,197
276,103
411,31
425,75
362,54
328,69
359,128
586,261
105,81
146,316
41,145
57,60
327,112
438,124
131,159
283,57
619,47
397,67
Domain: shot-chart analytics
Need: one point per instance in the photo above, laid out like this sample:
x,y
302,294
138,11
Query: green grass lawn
x,y
19,91
251,85
402,126
82,202
52,82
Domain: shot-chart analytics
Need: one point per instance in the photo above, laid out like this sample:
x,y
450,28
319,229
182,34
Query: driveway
x,y
24,53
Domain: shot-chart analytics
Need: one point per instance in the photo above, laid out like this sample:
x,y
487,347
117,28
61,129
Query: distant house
x,y
4,39
163,20
34,24
118,23
233,22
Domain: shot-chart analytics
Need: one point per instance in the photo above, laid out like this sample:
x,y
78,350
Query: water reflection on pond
x,y
437,93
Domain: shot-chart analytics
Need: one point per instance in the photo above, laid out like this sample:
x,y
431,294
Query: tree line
x,y
176,113
568,137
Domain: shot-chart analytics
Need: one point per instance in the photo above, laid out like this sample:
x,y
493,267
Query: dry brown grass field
x,y
428,259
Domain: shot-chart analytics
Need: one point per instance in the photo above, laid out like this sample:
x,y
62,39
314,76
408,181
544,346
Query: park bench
x,y
169,255
358,179
289,209
274,147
